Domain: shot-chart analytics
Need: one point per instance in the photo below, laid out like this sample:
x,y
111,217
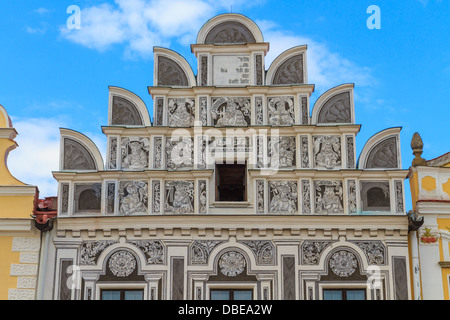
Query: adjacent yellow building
x,y
19,238
429,244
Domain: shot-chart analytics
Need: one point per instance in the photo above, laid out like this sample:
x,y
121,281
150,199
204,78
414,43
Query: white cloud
x,y
142,24
37,154
326,69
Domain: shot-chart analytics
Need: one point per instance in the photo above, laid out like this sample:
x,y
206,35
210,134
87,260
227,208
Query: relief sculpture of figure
x,y
180,197
281,112
284,197
134,154
329,197
181,113
327,152
231,111
133,200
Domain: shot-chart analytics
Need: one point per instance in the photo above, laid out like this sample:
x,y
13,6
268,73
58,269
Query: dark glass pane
x,y
243,295
110,295
134,295
356,294
220,295
332,295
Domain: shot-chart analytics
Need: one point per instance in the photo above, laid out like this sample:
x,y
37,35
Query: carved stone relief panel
x,y
260,204
327,152
179,197
65,199
204,70
375,196
202,197
204,110
281,110
283,197
259,69
110,197
290,71
87,198
112,153
201,152
351,194
159,116
259,112
133,197
351,163
281,151
260,158
124,112
311,251
77,157
304,151
328,197
179,153
156,196
264,251
181,112
231,111
157,152
306,197
383,155
170,73
201,249
399,197
336,110
135,153
304,110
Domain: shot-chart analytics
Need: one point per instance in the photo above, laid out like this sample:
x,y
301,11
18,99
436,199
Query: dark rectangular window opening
x,y
122,294
231,182
344,294
231,294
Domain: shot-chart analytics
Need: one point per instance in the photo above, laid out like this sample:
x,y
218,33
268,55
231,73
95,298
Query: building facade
x,y
20,240
238,188
430,252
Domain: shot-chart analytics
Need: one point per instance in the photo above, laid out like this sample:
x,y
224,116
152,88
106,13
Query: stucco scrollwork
x,y
312,250
264,251
153,250
201,249
374,251
91,250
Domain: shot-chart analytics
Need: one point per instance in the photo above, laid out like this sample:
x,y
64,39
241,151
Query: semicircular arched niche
x,y
290,71
170,73
230,32
336,109
124,112
383,155
77,156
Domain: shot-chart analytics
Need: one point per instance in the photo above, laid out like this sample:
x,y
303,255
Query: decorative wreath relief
x,y
343,263
122,264
232,264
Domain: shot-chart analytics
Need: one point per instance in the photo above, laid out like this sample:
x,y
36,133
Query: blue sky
x,y
54,77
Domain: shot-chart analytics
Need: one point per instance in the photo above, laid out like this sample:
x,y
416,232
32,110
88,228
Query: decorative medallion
x,y
232,263
122,264
343,263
